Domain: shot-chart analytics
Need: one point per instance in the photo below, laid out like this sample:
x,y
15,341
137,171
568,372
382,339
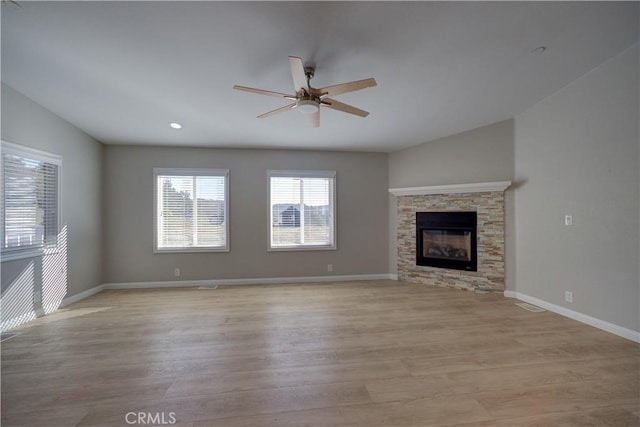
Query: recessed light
x,y
175,125
539,50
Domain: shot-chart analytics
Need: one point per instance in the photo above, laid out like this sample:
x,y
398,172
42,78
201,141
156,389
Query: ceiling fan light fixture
x,y
307,106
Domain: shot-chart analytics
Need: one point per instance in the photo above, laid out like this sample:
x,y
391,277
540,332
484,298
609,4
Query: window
x,y
302,210
191,210
30,214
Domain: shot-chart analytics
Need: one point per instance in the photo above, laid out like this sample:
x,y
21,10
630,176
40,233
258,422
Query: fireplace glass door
x,y
446,244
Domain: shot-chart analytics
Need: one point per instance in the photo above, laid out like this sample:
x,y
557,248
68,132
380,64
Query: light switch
x,y
568,220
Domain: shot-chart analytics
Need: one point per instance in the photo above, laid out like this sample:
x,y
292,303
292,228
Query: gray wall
x,y
26,123
362,220
480,155
577,153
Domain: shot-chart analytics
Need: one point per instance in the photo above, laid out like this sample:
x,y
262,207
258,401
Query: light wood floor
x,y
340,354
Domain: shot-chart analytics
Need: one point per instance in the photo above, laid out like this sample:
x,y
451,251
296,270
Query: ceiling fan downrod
x,y
309,72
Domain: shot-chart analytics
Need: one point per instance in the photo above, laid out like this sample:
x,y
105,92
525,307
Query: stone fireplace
x,y
468,251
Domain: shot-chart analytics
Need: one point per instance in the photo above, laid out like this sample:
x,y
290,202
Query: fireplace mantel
x,y
476,187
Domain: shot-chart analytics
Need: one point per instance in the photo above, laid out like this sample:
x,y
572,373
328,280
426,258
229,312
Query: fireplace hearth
x,y
447,240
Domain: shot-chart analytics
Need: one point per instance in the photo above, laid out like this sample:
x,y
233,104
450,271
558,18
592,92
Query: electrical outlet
x,y
568,296
176,272
329,267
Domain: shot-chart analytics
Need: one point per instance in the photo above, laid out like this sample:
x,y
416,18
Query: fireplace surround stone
x,y
487,201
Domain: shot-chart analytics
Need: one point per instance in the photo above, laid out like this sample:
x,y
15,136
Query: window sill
x,y
189,250
26,253
302,248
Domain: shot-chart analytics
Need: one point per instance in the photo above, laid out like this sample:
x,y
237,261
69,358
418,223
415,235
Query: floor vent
x,y
8,336
530,307
210,288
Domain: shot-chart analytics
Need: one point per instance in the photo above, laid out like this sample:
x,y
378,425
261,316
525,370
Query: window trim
x,y
333,199
190,172
42,156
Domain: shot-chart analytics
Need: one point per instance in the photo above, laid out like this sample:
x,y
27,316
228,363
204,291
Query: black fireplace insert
x,y
447,240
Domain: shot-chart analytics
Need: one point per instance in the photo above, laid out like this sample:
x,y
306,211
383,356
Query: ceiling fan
x,y
308,99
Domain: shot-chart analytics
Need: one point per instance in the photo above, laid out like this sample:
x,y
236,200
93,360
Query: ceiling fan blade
x,y
314,119
336,105
264,92
277,110
346,87
297,72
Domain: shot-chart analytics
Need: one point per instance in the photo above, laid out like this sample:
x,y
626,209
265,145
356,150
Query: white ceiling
x,y
122,71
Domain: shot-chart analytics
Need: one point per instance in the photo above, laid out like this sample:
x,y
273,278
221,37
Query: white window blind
x,y
30,199
191,210
302,210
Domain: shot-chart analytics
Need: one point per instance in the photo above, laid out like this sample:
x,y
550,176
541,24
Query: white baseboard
x,y
393,277
251,281
80,296
629,334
